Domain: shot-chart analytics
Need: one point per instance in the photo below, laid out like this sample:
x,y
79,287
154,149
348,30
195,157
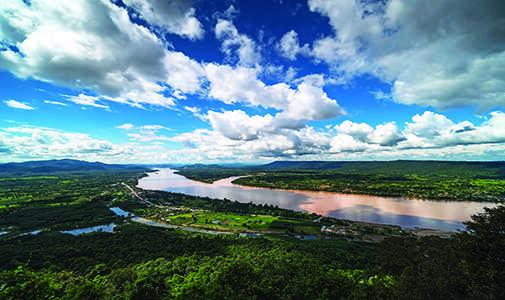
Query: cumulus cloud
x,y
175,16
213,144
307,101
359,131
237,135
362,134
429,124
289,46
92,45
247,140
29,142
237,125
443,54
431,130
183,74
386,135
247,52
18,105
347,143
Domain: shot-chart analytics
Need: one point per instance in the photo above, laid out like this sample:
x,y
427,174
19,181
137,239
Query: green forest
x,y
435,180
137,261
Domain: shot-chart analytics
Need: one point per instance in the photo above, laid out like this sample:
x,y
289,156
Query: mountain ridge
x,y
60,165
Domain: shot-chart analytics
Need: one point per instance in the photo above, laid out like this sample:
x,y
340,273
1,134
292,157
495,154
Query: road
x,y
136,195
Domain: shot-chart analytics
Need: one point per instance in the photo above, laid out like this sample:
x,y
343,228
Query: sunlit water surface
x,y
408,213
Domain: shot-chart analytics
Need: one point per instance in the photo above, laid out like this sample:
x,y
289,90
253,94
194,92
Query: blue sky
x,y
179,81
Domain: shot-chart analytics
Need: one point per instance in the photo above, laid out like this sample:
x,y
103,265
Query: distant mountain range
x,y
416,166
62,165
489,169
394,163
371,164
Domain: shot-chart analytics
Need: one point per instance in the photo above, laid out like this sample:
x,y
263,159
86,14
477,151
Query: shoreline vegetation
x,y
431,180
137,261
291,223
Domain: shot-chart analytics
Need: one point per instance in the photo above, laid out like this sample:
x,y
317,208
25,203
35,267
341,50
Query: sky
x,y
159,81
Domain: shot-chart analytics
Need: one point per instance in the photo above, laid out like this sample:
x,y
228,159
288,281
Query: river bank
x,y
407,213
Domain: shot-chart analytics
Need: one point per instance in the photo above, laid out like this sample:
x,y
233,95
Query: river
x,y
408,213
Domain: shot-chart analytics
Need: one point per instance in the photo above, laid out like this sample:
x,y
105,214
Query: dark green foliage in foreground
x,y
140,262
483,249
151,263
469,266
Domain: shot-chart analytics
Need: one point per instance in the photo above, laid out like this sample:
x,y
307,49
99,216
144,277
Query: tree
x,y
482,249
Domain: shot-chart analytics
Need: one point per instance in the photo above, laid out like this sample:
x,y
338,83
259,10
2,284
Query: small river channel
x,y
408,213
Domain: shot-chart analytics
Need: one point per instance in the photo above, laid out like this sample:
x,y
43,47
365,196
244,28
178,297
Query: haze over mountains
x,y
57,165
67,165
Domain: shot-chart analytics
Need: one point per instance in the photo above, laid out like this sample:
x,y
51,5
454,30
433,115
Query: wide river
x,y
408,213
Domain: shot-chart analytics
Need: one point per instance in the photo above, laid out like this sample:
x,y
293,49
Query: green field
x,y
456,181
137,261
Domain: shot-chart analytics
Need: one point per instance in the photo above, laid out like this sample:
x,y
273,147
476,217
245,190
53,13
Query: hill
x,y
62,165
419,167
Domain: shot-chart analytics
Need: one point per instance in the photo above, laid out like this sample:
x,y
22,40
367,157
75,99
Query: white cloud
x,y
175,16
237,125
18,105
431,130
86,100
92,45
236,135
386,135
55,102
147,137
126,126
248,53
29,142
359,131
155,127
256,138
428,124
196,112
183,73
347,143
192,109
307,102
145,133
310,102
289,46
213,144
442,54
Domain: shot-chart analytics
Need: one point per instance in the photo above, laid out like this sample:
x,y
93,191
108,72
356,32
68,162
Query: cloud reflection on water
x,y
444,215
